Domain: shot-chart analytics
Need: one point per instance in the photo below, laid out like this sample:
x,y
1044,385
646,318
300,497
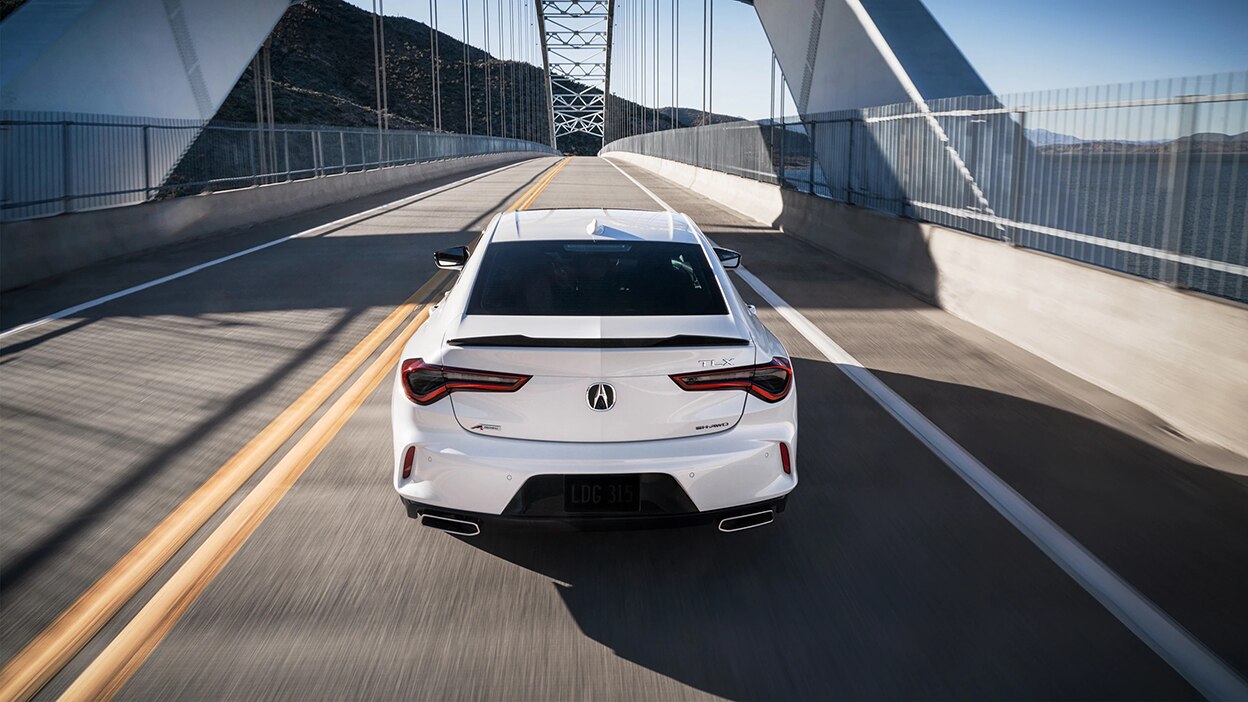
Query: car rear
x,y
612,376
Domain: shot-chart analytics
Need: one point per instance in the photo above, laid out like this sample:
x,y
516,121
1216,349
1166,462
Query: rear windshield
x,y
596,279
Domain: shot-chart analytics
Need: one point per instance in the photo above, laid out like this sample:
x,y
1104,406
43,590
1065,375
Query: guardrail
x,y
1148,178
55,163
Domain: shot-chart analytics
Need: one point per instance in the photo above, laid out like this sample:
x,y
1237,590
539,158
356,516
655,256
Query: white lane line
x,y
1202,668
321,229
641,187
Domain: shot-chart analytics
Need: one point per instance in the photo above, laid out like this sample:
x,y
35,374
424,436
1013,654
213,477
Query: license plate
x,y
602,493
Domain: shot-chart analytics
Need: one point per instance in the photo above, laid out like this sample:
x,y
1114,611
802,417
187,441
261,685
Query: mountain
x,y
1200,143
690,117
1045,137
321,56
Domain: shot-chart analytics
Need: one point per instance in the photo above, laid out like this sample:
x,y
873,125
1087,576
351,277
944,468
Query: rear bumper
x,y
572,522
462,471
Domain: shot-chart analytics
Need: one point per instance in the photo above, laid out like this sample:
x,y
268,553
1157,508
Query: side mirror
x,y
453,258
729,258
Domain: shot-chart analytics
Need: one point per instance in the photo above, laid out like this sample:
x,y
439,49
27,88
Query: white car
x,y
593,367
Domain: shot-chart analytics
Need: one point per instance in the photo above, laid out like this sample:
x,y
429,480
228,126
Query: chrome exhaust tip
x,y
450,525
747,521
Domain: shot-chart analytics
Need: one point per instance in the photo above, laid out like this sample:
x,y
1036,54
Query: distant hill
x,y
1202,143
321,58
1045,137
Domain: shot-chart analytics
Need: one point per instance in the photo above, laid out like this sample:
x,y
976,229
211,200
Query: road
x,y
888,576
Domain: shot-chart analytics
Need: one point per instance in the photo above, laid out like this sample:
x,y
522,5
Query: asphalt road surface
x,y
887,577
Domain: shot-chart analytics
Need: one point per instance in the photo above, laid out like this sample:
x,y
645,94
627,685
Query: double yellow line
x,y
527,199
54,647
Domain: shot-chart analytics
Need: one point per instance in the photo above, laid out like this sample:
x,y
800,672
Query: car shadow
x,y
888,578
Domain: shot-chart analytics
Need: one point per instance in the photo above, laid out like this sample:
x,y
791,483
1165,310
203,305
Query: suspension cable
x,y
656,66
626,76
632,67
614,29
511,69
484,26
675,64
257,76
385,97
539,103
268,90
637,72
508,63
534,132
488,65
502,104
710,71
619,70
772,100
644,73
705,114
771,143
435,78
467,72
526,77
376,68
639,68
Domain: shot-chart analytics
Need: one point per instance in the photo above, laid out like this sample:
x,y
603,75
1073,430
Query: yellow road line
x,y
527,199
56,645
123,656
531,194
126,653
48,652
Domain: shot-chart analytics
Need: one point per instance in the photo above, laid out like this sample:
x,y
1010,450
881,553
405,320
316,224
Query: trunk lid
x,y
570,357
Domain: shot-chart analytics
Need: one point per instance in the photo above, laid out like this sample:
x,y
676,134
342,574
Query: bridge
x,y
1023,393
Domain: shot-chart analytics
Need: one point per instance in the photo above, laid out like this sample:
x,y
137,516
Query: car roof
x,y
607,224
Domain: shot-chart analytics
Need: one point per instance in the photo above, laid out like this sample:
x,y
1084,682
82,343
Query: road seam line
x,y
1201,667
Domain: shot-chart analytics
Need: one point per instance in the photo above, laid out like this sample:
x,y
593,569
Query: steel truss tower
x,y
576,46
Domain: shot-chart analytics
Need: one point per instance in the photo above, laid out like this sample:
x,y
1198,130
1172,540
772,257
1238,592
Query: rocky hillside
x,y
321,59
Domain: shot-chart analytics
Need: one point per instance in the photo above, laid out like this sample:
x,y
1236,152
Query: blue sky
x,y
1017,45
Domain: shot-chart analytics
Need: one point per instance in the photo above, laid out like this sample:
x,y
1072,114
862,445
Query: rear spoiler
x,y
520,340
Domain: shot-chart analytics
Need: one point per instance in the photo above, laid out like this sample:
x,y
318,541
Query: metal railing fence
x,y
1147,178
54,163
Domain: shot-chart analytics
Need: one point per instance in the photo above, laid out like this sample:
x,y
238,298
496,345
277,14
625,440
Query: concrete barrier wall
x,y
1178,354
36,249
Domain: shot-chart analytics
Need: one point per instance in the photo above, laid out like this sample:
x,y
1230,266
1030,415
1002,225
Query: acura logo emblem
x,y
601,397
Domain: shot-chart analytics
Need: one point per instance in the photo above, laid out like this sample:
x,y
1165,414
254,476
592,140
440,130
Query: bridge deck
x,y
887,576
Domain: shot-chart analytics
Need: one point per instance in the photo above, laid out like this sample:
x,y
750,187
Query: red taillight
x,y
409,457
425,383
784,459
769,382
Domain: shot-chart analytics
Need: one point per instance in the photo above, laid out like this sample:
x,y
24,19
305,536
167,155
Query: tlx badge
x,y
716,362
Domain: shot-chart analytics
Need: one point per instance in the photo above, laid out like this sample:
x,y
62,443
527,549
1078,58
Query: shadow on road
x,y
889,578
366,254
346,276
